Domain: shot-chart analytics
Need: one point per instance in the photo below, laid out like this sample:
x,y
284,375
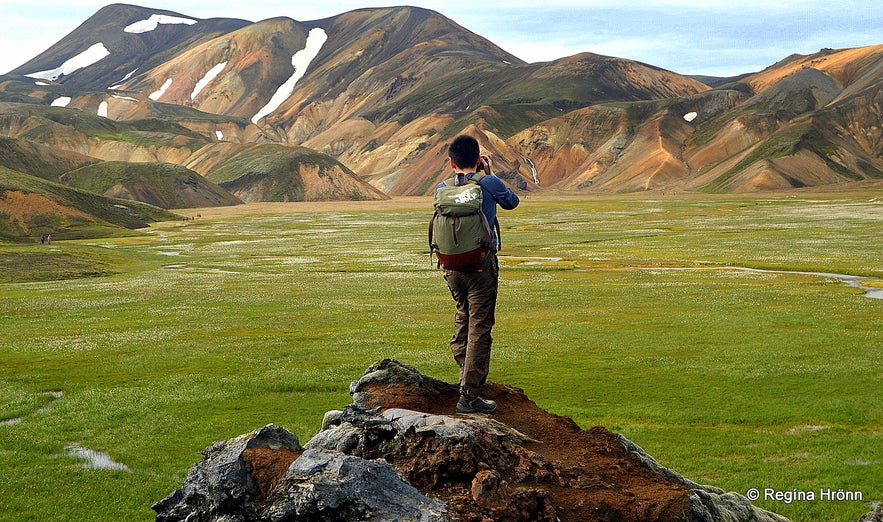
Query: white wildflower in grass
x,y
71,344
16,402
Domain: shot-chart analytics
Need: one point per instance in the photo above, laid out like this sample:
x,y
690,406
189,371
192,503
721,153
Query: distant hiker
x,y
43,239
49,239
474,288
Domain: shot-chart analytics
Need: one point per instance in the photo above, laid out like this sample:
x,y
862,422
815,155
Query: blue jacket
x,y
494,192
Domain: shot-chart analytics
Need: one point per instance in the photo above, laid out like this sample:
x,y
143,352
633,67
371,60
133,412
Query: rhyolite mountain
x,y
364,103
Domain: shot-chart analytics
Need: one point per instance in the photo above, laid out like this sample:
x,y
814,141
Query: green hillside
x,y
65,212
165,185
38,159
47,124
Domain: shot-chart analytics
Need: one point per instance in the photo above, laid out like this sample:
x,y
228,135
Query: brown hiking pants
x,y
476,296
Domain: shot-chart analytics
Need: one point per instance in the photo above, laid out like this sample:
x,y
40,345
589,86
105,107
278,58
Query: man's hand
x,y
485,163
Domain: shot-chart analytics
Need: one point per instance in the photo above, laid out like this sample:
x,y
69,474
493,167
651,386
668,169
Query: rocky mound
x,y
398,453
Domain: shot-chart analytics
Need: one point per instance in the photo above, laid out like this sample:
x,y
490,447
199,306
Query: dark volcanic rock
x,y
328,485
224,485
265,475
400,433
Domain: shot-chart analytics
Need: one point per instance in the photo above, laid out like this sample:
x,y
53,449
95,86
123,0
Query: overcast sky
x,y
713,37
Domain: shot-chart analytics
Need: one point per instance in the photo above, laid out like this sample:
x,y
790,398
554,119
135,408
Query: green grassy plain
x,y
618,312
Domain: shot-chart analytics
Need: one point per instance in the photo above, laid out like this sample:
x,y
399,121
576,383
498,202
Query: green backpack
x,y
459,234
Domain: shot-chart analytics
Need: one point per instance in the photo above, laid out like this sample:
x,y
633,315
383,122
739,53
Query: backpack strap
x,y
432,219
431,223
432,246
490,233
476,177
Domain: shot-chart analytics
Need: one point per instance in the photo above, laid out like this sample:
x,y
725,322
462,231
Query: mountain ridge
x,y
384,89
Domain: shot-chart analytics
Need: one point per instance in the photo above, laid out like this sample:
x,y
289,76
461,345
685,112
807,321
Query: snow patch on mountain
x,y
102,109
301,60
86,58
150,24
157,94
207,79
61,101
120,83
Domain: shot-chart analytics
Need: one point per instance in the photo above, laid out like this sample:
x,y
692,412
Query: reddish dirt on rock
x,y
268,466
583,475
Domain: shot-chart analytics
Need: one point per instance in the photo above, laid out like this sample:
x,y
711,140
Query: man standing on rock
x,y
475,291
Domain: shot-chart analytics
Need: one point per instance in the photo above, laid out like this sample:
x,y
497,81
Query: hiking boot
x,y
475,405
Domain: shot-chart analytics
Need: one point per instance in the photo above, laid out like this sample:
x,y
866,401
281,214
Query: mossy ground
x,y
613,311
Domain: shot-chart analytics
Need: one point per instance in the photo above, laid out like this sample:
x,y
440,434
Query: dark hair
x,y
464,151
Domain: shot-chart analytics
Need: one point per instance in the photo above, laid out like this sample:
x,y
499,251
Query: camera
x,y
483,165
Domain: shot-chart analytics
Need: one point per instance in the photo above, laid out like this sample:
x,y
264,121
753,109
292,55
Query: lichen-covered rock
x,y
391,372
